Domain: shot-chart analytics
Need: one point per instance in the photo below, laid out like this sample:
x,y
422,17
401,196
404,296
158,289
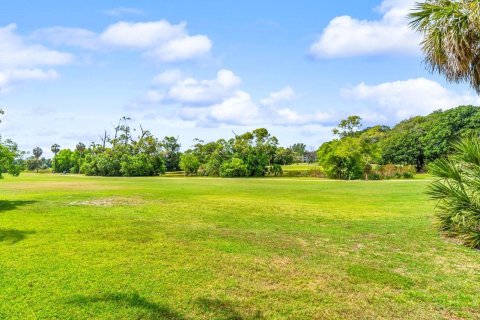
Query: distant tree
x,y
299,150
8,154
37,153
123,131
403,145
171,148
189,164
451,40
80,147
64,161
78,156
55,149
348,127
342,159
284,156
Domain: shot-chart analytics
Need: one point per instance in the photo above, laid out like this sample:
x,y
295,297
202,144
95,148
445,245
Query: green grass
x,y
301,167
74,247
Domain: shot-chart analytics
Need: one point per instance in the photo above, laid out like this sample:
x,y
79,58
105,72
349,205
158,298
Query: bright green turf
x,y
73,247
301,167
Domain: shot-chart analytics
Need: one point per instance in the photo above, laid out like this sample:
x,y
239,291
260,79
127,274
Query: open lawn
x,y
74,247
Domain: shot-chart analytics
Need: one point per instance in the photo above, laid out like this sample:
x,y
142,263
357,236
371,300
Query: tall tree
x,y
55,149
348,127
451,41
171,148
37,153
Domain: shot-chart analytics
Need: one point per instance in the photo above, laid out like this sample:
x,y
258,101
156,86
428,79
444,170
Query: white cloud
x,y
238,110
411,97
285,94
141,34
220,101
346,36
8,78
168,77
14,52
120,11
184,48
289,117
21,61
201,92
160,40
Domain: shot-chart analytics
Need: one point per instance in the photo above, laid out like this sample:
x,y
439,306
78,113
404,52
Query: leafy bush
x,y
457,191
309,173
189,163
234,168
391,171
276,170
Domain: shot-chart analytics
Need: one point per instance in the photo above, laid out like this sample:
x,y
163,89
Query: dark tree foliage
x,y
421,140
171,148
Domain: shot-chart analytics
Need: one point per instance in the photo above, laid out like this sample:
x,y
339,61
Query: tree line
x,y
408,147
377,152
137,152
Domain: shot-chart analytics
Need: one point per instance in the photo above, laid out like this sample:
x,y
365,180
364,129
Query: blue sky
x,y
70,69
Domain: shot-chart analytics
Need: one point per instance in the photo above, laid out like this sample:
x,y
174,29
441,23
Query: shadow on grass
x,y
132,300
219,309
6,205
13,236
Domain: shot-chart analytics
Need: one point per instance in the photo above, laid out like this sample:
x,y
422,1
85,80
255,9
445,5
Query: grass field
x,y
301,167
74,247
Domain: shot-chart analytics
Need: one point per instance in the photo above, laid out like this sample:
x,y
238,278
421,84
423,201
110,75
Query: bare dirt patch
x,y
108,202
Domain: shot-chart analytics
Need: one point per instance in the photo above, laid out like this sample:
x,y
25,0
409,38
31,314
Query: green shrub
x,y
189,163
234,168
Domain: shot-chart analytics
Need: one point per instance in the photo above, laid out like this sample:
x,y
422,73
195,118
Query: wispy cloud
x,y
122,11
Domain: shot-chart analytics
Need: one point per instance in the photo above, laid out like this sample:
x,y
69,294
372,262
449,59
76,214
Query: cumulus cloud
x,y
407,98
14,52
21,61
238,109
221,101
201,92
160,40
286,94
346,36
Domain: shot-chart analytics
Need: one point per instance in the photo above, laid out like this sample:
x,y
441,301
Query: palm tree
x,y
451,38
80,149
55,149
37,153
457,191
